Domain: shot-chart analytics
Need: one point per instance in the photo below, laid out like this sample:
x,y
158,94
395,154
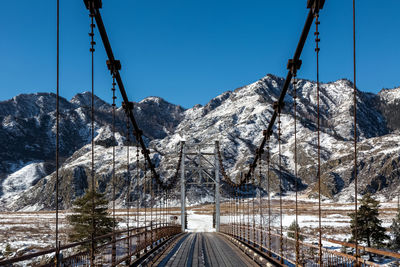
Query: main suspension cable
x,y
128,181
158,210
165,208
260,203
317,49
355,133
57,131
145,204
167,205
231,218
92,43
137,186
295,166
253,208
280,181
151,208
114,256
241,210
236,211
269,195
248,211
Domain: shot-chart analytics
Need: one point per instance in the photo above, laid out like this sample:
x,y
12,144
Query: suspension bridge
x,y
246,237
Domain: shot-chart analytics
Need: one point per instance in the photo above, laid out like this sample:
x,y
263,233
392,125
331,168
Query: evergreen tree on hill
x,y
292,231
81,220
370,228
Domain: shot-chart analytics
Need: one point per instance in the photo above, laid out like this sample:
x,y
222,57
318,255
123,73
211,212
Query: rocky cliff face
x,y
389,106
235,118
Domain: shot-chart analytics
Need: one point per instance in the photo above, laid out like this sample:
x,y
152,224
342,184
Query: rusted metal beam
x,y
94,7
314,6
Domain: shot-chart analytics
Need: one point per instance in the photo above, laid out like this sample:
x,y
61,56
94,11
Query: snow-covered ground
x,y
199,222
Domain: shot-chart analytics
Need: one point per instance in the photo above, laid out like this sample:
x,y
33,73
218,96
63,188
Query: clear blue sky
x,y
189,51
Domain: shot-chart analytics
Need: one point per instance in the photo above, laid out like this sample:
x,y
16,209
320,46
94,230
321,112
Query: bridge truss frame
x,y
199,153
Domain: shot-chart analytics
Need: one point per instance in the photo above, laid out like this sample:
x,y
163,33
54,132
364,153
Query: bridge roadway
x,y
203,249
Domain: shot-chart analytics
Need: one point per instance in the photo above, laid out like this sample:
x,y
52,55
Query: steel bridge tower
x,y
200,165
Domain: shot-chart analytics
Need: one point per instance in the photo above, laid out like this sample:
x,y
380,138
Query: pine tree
x,y
395,230
81,220
370,228
8,250
292,231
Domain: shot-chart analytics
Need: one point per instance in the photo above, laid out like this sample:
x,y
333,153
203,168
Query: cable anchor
x,y
113,66
293,65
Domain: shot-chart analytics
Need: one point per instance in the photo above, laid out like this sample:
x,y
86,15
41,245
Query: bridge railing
x,y
127,245
270,244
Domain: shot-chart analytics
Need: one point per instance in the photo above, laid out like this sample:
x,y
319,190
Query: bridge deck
x,y
203,249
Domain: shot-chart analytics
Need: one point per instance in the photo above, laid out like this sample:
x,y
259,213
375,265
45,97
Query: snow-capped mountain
x,y
235,118
27,131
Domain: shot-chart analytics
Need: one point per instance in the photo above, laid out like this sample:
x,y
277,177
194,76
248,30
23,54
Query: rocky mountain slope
x,y
27,131
235,118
